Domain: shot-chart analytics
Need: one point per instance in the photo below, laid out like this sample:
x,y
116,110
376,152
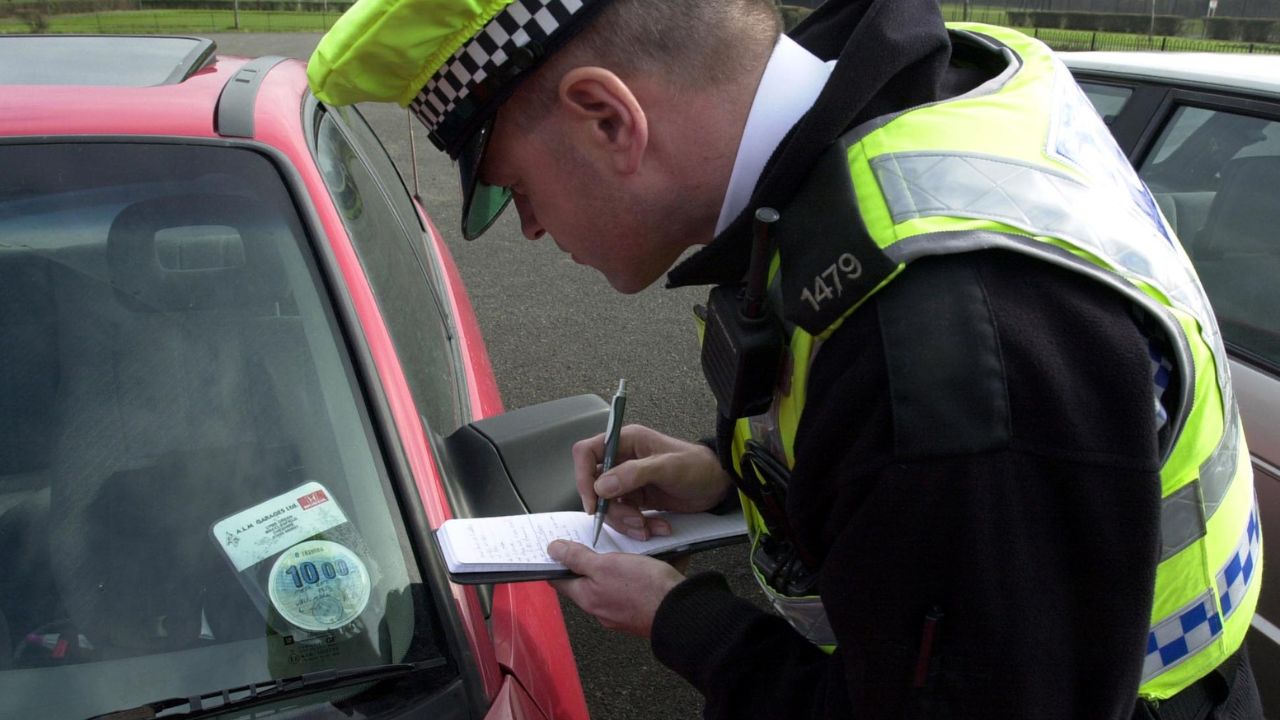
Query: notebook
x,y
513,548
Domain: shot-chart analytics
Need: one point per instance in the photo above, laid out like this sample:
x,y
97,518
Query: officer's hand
x,y
651,472
620,590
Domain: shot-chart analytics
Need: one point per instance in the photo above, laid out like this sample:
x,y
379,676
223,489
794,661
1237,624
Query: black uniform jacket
x,y
1027,551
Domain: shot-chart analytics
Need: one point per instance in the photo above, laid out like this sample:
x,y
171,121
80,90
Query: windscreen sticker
x,y
253,535
319,585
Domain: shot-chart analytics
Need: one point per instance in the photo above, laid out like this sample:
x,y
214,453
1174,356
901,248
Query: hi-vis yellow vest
x,y
1023,163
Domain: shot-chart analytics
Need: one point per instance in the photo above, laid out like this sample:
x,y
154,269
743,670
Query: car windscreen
x,y
191,495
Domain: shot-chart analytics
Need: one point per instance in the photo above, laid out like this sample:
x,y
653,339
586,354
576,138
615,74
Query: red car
x,y
240,386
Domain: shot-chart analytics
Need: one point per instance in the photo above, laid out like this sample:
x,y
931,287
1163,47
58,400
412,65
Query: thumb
x,y
577,557
623,479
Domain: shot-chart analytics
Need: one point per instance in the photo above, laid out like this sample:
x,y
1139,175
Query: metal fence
x,y
1181,8
1068,40
1193,36
159,16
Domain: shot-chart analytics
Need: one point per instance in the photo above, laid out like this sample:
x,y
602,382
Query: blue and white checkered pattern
x,y
1178,637
1161,365
1233,581
1192,628
1162,371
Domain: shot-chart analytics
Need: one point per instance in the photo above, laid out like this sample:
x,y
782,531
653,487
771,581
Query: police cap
x,y
452,63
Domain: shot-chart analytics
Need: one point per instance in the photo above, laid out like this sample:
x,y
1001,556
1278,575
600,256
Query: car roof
x,y
182,101
1256,73
100,60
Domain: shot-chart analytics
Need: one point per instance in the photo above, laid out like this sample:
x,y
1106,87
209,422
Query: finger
x,y
631,441
627,519
577,557
568,587
658,526
635,524
587,455
626,478
634,442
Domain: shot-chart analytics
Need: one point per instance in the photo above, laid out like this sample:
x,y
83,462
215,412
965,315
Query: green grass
x,y
977,13
170,21
195,21
1190,41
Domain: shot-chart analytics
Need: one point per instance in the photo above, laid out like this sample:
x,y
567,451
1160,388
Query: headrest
x,y
1244,215
197,252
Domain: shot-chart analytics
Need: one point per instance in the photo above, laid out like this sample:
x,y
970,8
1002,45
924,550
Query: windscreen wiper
x,y
244,696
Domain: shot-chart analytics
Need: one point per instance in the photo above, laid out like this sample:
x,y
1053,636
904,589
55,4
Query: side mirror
x,y
520,461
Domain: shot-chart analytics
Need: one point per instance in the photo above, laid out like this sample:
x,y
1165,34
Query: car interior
x,y
1236,255
29,375
170,359
174,403
134,393
158,376
1213,175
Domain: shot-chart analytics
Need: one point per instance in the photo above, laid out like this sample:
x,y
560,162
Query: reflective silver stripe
x,y
1182,520
1219,470
1185,513
806,614
1040,201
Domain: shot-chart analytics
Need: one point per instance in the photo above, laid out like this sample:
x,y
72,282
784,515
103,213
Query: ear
x,y
606,116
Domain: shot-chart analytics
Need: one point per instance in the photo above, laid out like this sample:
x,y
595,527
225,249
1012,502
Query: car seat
x,y
29,379
171,419
6,648
1186,212
1237,254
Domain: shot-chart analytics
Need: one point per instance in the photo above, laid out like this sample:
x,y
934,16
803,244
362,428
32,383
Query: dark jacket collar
x,y
891,55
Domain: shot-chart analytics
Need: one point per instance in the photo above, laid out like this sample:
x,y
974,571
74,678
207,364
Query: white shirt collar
x,y
791,83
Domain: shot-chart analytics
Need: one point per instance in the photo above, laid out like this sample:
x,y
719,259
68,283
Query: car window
x,y
392,247
1214,174
191,496
375,154
1108,100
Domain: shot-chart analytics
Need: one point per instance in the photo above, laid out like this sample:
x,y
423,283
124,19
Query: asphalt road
x,y
555,329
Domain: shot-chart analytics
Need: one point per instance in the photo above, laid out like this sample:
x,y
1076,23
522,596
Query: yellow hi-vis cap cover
x,y
387,50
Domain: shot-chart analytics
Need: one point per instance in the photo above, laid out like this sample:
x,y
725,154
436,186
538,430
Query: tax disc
x,y
319,585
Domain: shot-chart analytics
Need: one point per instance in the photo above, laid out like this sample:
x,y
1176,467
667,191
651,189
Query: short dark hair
x,y
690,44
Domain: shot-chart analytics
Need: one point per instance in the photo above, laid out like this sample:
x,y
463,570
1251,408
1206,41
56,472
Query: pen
x,y
611,433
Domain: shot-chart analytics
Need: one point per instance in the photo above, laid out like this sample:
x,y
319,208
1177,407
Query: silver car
x,y
1203,131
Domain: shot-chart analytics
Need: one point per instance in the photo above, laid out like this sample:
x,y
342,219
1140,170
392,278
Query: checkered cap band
x,y
450,97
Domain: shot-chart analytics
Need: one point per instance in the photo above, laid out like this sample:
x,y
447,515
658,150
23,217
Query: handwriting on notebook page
x,y
521,539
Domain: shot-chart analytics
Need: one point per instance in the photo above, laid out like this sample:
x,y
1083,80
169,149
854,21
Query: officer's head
x,y
612,123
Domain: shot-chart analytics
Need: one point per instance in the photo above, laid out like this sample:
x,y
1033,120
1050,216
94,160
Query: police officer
x,y
971,396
